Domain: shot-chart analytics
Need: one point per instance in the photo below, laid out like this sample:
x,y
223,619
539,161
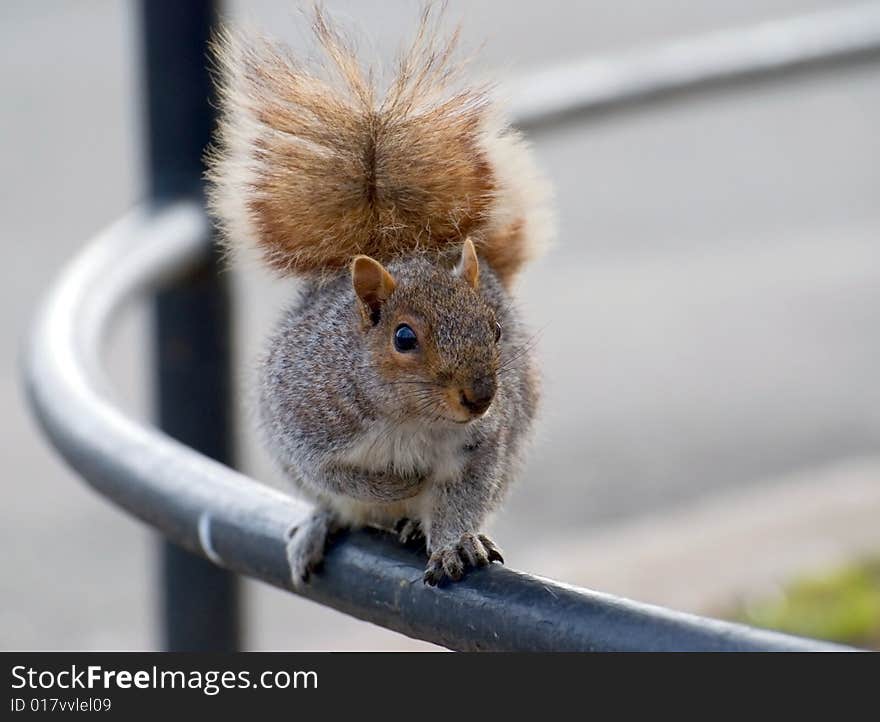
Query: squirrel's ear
x,y
468,266
372,284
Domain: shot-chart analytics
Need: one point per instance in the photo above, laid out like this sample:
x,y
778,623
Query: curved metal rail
x,y
240,524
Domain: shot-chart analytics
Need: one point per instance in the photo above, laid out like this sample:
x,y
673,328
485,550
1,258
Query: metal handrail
x,y
241,524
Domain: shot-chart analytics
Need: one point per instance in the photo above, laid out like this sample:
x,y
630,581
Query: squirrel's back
x,y
313,166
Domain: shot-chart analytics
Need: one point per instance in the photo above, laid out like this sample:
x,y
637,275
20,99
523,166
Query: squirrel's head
x,y
432,337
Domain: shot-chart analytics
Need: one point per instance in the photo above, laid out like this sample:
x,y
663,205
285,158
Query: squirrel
x,y
399,389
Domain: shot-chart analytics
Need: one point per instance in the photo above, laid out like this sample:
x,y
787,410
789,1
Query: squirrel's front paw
x,y
451,561
306,543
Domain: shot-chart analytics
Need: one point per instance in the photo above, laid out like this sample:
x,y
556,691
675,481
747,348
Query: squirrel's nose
x,y
478,397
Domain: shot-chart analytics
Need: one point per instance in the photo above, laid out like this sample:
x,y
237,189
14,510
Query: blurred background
x,y
708,323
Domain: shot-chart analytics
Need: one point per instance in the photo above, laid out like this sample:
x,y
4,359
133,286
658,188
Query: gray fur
x,y
305,544
369,449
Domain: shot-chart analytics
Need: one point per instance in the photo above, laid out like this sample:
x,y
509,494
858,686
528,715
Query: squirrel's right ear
x,y
372,284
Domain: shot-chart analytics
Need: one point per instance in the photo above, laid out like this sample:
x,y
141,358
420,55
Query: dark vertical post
x,y
193,354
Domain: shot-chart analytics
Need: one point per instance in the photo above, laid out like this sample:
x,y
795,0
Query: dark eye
x,y
497,332
405,339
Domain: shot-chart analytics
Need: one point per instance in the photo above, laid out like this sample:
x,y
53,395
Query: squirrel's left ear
x,y
468,266
372,284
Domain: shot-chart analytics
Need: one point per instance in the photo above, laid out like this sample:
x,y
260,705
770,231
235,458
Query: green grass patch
x,y
841,606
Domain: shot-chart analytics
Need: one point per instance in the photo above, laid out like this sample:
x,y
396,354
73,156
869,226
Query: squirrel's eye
x,y
497,332
405,338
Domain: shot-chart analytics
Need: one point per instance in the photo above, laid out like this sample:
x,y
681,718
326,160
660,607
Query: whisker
x,y
521,350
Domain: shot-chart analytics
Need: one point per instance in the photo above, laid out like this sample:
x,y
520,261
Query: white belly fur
x,y
405,449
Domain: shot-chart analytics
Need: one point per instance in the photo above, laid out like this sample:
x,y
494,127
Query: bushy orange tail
x,y
313,166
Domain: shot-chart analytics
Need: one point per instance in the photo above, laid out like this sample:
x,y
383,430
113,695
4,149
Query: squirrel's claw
x,y
305,546
493,552
409,531
450,562
442,565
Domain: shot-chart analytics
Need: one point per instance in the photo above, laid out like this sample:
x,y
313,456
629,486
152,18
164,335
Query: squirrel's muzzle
x,y
477,397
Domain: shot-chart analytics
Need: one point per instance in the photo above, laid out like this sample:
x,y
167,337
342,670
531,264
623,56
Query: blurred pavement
x,y
708,319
